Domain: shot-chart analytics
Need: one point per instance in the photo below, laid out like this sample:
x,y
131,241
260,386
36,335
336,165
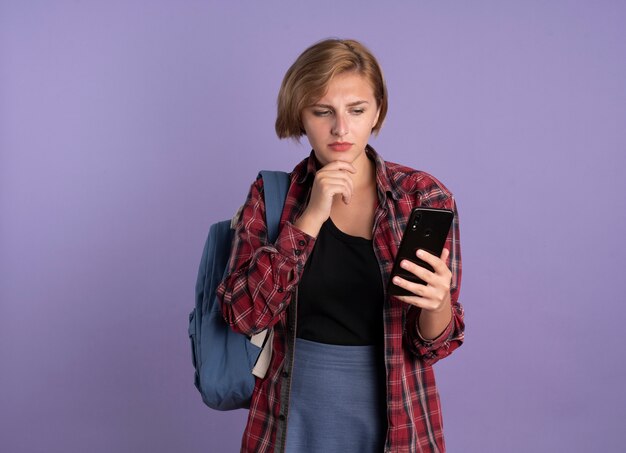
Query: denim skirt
x,y
337,401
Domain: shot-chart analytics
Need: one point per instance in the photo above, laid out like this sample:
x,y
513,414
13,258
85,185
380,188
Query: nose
x,y
340,128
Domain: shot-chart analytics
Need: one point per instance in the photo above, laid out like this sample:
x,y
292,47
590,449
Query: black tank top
x,y
340,295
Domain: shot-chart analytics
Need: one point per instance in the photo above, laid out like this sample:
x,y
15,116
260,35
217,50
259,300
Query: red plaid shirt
x,y
262,281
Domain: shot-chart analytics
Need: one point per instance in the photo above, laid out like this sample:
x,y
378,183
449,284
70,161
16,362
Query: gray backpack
x,y
223,359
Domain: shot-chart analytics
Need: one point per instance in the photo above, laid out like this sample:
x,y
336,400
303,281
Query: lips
x,y
340,146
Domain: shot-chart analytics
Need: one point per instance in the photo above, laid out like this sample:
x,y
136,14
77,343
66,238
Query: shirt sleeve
x,y
452,337
261,278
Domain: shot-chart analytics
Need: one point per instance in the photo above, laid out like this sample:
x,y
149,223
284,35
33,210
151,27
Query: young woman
x,y
351,369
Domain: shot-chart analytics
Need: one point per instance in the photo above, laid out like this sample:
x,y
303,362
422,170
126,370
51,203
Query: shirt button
x,y
297,252
281,417
280,306
285,374
280,290
301,243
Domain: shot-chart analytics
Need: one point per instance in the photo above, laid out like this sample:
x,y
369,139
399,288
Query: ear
x,y
376,118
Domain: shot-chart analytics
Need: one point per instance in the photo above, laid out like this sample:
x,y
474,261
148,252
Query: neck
x,y
365,175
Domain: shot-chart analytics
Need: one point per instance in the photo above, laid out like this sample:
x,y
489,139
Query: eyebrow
x,y
351,104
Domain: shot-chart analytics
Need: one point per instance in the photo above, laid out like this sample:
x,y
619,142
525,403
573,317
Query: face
x,y
339,124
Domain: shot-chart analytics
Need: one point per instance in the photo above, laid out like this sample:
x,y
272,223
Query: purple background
x,y
127,127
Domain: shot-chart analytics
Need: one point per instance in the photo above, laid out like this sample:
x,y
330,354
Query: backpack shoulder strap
x,y
275,186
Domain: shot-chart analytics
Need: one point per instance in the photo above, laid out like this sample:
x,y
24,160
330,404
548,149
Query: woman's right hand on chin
x,y
330,180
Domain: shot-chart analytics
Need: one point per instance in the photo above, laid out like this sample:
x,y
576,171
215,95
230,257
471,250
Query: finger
x,y
417,270
339,189
420,302
417,301
346,196
335,177
336,180
438,265
414,288
444,255
428,299
333,186
339,165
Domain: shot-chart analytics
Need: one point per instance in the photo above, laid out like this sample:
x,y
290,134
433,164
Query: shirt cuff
x,y
429,350
294,244
439,340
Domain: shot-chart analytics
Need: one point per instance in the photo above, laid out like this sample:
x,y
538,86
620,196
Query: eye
x,y
358,111
322,112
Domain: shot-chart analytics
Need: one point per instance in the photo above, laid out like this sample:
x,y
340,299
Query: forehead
x,y
348,87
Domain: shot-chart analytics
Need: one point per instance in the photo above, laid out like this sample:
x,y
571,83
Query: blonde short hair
x,y
308,78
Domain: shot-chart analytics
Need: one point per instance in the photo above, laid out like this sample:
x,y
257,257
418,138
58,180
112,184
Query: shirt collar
x,y
307,168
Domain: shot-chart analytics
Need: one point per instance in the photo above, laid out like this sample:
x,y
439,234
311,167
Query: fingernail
x,y
420,253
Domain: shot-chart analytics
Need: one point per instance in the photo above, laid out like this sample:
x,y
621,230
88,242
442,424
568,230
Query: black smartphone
x,y
427,229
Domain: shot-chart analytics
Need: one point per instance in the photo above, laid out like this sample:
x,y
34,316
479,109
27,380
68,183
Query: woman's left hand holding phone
x,y
434,298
